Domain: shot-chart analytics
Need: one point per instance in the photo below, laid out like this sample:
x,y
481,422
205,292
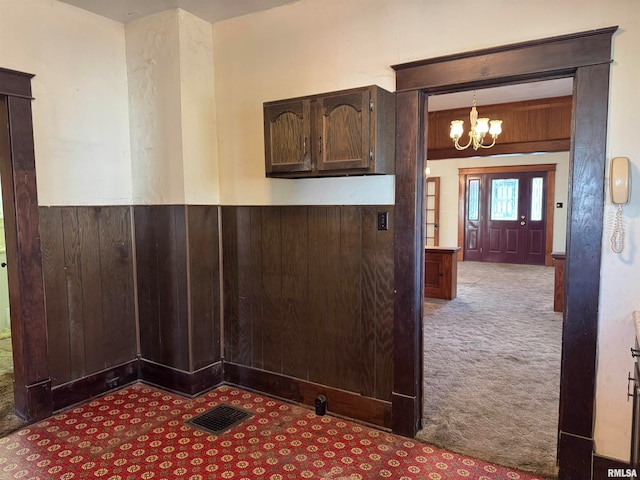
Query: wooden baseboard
x,y
36,399
574,457
186,383
340,402
602,465
91,386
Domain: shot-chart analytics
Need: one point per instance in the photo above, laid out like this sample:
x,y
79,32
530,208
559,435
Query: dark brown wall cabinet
x,y
350,132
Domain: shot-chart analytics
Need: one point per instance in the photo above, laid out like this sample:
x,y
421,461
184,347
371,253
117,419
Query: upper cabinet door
x,y
344,131
287,128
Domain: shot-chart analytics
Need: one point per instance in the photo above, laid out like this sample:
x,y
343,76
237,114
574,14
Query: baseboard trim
x,y
601,465
185,383
574,457
93,385
37,399
340,402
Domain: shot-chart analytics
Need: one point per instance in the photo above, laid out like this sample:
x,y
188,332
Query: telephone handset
x,y
619,188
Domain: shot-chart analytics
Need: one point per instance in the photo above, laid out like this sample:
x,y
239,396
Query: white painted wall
x,y
80,111
172,114
153,66
315,46
447,170
197,95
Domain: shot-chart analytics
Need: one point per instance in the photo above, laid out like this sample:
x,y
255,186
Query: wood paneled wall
x,y
542,125
308,293
177,260
88,278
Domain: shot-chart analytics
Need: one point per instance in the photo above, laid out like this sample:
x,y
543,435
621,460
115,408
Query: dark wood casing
x,y
586,57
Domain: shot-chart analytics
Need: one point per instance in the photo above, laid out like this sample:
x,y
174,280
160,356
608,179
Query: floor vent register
x,y
220,419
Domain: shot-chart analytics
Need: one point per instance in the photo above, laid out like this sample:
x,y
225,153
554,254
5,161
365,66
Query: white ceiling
x,y
210,10
512,93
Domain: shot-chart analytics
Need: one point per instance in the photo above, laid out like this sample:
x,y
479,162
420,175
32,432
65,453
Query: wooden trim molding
x,y
547,58
93,385
15,84
549,201
543,167
175,380
24,271
586,57
601,465
531,126
339,402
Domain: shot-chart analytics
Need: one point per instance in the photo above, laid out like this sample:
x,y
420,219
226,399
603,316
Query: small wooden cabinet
x,y
351,132
441,272
558,287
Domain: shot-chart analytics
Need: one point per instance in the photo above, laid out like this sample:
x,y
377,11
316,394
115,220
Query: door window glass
x,y
504,199
474,192
536,199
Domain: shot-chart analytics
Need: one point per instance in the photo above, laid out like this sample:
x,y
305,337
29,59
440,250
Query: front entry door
x,y
505,217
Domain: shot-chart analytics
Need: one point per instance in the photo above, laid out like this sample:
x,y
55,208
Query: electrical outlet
x,y
113,383
383,220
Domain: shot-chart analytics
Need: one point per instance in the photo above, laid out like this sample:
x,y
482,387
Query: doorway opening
x,y
491,355
586,57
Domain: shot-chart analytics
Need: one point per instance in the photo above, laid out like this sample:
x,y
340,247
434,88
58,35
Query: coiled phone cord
x,y
617,237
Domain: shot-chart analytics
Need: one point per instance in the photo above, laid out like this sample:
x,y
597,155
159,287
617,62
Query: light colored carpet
x,y
492,367
8,420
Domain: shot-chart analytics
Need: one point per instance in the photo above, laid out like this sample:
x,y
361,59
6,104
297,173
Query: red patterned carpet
x,y
139,432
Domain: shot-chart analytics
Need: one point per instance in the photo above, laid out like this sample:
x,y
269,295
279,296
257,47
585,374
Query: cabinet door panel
x,y
344,131
287,137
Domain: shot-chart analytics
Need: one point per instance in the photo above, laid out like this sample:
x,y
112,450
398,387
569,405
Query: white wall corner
x,y
198,107
153,68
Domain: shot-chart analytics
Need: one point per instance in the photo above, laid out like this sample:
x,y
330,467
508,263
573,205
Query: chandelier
x,y
479,128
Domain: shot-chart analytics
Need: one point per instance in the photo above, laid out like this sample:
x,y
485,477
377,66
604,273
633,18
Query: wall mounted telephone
x,y
619,189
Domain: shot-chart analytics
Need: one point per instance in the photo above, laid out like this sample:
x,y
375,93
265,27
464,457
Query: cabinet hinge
x,y
371,153
371,104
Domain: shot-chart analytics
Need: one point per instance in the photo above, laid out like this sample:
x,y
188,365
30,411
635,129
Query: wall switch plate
x,y
383,220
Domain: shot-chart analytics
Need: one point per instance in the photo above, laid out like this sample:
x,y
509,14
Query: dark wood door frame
x,y
586,57
32,384
550,169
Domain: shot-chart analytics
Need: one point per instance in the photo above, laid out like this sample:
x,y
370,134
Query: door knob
x,y
3,264
523,223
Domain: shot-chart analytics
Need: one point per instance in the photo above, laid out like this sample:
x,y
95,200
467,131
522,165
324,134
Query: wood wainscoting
x,y
178,280
308,301
308,294
88,279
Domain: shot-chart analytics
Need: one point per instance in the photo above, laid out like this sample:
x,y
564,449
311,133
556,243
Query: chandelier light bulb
x,y
495,128
457,129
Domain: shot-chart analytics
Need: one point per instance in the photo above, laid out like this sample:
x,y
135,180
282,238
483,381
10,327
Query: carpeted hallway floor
x,y
139,432
492,367
8,420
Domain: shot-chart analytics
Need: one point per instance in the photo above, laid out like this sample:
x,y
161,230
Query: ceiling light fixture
x,y
479,128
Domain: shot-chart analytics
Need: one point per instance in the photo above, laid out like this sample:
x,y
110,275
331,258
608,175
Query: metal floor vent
x,y
220,419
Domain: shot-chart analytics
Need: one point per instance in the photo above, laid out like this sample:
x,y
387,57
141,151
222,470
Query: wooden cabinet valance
x,y
350,132
542,125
